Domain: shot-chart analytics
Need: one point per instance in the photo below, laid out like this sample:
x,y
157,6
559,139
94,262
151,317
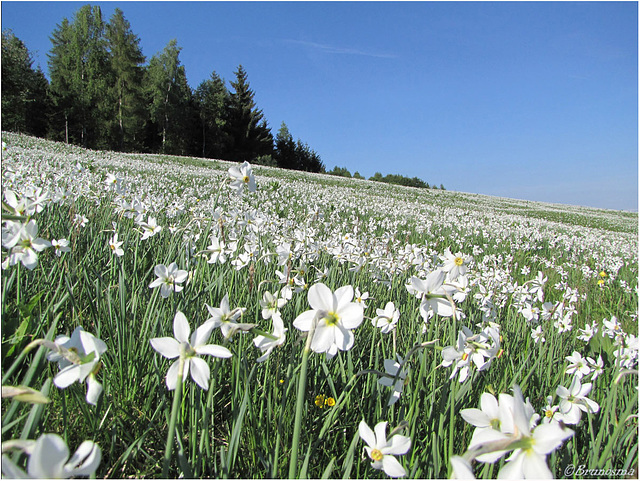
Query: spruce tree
x,y
212,100
285,151
248,130
80,75
127,111
168,99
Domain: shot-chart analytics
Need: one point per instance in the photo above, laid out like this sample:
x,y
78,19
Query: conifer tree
x,y
212,100
127,112
285,151
61,88
248,130
168,99
80,75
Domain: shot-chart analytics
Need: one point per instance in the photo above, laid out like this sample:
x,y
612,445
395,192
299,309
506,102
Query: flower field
x,y
182,317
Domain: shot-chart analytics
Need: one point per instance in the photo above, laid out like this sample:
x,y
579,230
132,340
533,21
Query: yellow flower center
x,y
332,319
548,413
245,179
376,455
458,261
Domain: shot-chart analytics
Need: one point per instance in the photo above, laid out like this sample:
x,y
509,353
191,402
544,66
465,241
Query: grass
x,y
371,236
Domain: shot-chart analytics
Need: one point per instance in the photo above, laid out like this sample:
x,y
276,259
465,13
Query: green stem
x,y
177,400
302,383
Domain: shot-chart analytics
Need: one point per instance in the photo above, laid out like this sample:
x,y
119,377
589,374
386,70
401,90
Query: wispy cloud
x,y
331,49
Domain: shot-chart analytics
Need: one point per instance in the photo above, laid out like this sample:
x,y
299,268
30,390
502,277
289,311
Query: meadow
x,y
182,317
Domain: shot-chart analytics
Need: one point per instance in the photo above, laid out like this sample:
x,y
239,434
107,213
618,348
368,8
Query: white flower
x,y
24,243
335,316
225,318
271,304
578,365
537,334
574,401
382,451
116,246
454,265
49,459
242,176
78,358
149,228
597,366
60,246
169,279
266,344
394,371
433,294
194,346
386,318
217,251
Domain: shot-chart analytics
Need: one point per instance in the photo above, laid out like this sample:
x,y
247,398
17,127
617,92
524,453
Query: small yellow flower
x,y
319,401
603,274
330,402
601,283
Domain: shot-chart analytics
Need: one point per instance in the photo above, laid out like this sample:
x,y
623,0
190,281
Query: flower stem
x,y
302,383
177,399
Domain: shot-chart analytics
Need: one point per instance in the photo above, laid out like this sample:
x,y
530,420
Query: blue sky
x,y
528,100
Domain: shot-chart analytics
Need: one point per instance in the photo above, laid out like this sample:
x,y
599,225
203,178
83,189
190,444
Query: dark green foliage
x,y
248,130
340,171
24,90
212,101
295,155
127,111
169,100
400,180
80,77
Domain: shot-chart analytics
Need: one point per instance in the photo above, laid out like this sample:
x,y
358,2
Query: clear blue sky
x,y
529,100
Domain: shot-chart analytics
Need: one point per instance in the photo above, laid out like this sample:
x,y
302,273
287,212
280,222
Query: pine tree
x,y
24,90
127,112
212,100
247,128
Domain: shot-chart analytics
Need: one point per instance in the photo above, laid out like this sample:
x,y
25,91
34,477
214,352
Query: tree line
x,y
103,94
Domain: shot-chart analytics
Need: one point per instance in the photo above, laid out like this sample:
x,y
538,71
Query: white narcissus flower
x,y
78,358
169,279
433,294
196,345
382,450
225,318
574,401
578,365
335,316
242,176
116,246
386,318
461,468
217,251
149,228
271,304
266,344
49,459
24,243
391,368
454,265
61,246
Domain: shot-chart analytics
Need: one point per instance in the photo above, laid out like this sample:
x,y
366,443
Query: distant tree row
x,y
388,179
102,95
